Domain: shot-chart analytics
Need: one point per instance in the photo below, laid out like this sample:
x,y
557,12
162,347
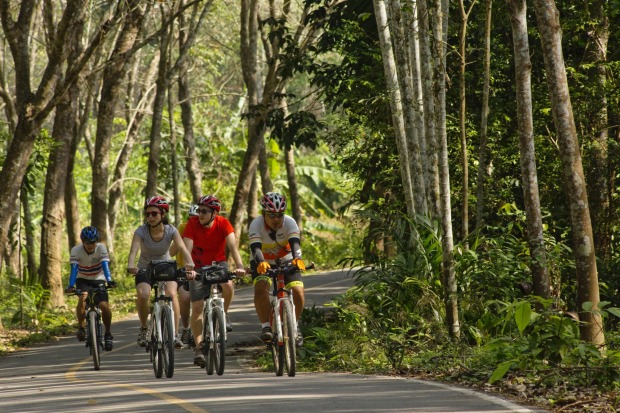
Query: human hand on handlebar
x,y
262,267
111,284
69,290
131,270
239,271
297,262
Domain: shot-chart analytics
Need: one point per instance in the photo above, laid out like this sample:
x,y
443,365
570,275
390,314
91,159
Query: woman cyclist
x,y
153,239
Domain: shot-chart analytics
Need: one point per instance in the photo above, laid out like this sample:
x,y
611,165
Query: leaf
x,y
500,371
523,314
614,310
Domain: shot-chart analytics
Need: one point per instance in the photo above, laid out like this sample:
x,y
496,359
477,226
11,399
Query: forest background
x,y
369,116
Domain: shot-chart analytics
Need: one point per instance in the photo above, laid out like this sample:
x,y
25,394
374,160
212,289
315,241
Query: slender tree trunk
x,y
432,146
598,175
482,156
396,108
440,14
405,83
462,120
263,168
114,73
31,261
72,217
548,20
523,70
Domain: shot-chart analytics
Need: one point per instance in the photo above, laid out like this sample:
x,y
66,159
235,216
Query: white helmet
x,y
193,210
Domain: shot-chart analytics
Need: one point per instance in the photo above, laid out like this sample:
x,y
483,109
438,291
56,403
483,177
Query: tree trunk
x,y
405,83
31,261
482,156
462,123
432,151
548,20
598,175
440,14
523,70
396,108
114,73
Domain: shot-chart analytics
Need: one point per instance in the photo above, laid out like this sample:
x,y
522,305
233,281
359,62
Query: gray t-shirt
x,y
151,250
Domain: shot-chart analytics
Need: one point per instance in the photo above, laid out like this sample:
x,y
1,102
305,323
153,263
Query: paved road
x,y
59,377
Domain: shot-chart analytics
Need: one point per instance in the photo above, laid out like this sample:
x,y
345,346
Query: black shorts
x,y
100,297
143,277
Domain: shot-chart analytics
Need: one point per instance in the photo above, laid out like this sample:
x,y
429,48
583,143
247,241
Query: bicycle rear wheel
x,y
167,332
94,339
289,331
219,340
277,347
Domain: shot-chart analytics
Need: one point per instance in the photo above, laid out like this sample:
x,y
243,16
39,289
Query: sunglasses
x,y
90,242
205,211
151,214
272,215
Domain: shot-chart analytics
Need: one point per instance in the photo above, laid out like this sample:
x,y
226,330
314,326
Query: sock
x,y
265,324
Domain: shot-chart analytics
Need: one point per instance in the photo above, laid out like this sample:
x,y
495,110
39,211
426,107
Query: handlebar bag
x,y
214,275
163,270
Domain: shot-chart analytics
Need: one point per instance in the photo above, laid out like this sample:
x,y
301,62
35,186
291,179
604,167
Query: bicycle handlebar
x,y
286,269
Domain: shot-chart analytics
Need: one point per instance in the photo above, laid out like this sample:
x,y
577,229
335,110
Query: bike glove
x,y
111,284
297,262
69,290
262,267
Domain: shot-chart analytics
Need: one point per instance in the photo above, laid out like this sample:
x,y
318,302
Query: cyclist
x,y
154,239
207,237
184,297
90,267
274,235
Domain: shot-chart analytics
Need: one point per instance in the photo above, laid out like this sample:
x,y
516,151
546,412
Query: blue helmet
x,y
89,234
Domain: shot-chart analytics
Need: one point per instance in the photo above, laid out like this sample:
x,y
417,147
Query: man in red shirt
x,y
207,237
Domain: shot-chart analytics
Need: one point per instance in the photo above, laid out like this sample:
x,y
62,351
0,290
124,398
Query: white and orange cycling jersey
x,y
274,244
89,266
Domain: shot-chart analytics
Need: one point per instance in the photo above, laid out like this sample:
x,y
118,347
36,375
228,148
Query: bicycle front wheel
x,y
219,340
156,356
167,332
288,332
93,338
277,347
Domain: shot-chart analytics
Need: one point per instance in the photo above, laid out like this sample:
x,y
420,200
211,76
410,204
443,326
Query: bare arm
x,y
133,251
187,257
231,242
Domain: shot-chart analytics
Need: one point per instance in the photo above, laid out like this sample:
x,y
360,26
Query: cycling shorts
x,y
100,297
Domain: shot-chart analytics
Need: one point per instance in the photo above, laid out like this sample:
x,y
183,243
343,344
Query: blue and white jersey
x,y
90,266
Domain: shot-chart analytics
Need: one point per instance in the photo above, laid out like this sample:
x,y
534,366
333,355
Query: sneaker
x,y
299,341
109,344
178,344
185,335
81,334
142,340
228,324
199,359
266,335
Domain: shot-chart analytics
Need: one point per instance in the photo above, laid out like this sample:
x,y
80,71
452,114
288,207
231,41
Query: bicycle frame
x,y
92,311
280,293
215,300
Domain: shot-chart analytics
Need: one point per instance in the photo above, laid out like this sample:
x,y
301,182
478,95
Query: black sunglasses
x,y
205,211
151,213
272,215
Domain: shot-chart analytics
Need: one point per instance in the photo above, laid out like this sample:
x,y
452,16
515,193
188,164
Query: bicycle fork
x,y
278,316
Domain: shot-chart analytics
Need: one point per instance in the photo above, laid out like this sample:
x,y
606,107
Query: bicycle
x,y
94,328
282,320
214,318
160,331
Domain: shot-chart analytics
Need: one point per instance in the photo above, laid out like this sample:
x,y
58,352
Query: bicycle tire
x,y
94,339
289,332
206,343
156,356
219,340
167,332
277,349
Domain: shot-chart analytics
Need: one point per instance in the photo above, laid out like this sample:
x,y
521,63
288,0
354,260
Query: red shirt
x,y
209,243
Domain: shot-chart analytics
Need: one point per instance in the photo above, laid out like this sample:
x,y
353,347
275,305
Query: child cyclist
x,y
90,267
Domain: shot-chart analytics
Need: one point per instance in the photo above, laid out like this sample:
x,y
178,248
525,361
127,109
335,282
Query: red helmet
x,y
273,202
157,201
211,202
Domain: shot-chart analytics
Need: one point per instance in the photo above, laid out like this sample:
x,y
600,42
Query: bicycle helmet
x,y
157,201
89,234
193,211
273,202
211,202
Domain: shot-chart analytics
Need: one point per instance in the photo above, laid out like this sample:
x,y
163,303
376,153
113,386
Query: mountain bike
x,y
282,320
94,327
160,333
214,318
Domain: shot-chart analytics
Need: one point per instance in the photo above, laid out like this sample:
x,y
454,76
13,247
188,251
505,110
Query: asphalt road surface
x,y
59,377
